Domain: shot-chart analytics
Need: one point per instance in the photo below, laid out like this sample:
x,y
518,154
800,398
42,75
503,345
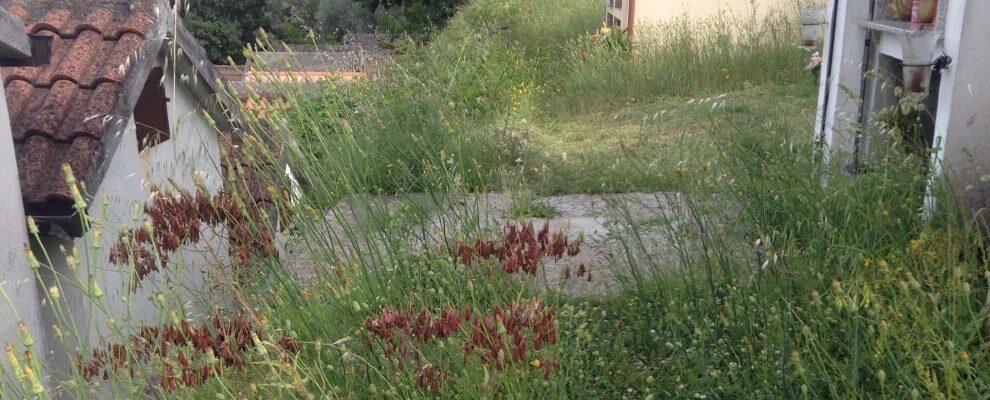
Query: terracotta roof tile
x,y
55,19
18,94
19,11
36,157
60,111
231,73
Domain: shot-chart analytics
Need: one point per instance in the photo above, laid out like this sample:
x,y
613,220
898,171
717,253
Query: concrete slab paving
x,y
623,234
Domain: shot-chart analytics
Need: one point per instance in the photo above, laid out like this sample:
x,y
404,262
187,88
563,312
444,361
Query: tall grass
x,y
473,90
784,287
772,285
684,56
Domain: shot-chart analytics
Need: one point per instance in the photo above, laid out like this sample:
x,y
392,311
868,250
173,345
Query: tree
x,y
414,16
225,26
336,17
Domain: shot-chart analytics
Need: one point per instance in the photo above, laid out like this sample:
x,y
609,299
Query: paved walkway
x,y
611,250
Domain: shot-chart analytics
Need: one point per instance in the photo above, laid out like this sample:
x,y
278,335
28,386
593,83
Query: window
x,y
151,113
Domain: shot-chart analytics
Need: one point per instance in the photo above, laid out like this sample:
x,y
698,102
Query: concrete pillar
x,y
16,278
963,126
842,76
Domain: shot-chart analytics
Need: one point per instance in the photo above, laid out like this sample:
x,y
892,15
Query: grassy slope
x,y
835,299
785,288
510,87
608,151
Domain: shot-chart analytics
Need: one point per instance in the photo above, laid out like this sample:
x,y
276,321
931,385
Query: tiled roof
x,y
370,40
343,61
231,73
60,111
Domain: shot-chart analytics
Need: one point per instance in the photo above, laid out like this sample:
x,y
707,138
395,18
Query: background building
x,y
629,15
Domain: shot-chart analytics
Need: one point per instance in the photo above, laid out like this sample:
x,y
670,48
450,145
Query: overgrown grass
x,y
772,284
504,72
784,287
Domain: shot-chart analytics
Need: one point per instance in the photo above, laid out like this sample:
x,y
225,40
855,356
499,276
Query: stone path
x,y
605,220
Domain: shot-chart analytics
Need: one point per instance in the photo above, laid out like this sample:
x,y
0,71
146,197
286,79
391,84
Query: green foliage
x,y
680,57
789,288
399,16
777,276
336,17
223,27
494,91
527,205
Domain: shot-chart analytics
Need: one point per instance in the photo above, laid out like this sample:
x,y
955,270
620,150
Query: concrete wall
x,y
841,80
652,12
963,125
16,278
662,10
192,148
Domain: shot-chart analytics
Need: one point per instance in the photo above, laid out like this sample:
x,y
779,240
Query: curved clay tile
x,y
41,184
19,11
19,73
45,112
76,62
119,59
100,20
138,24
33,160
54,20
92,117
60,111
18,94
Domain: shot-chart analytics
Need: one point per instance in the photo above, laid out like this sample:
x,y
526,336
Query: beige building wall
x,y
628,14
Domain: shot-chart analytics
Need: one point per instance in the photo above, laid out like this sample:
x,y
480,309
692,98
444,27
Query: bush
x,y
337,17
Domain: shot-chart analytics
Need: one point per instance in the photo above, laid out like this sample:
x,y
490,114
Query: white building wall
x,y
16,278
963,126
653,12
193,146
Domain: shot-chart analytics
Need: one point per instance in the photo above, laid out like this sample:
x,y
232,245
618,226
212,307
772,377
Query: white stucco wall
x,y
653,12
963,125
16,279
193,146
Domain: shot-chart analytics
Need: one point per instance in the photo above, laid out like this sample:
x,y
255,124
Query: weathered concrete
x,y
963,126
846,107
612,249
16,279
14,43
